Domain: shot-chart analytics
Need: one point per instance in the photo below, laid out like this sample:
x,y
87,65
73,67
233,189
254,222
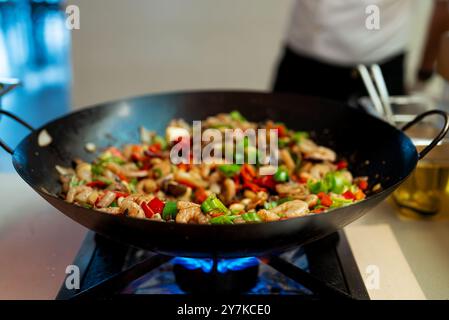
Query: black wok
x,y
373,148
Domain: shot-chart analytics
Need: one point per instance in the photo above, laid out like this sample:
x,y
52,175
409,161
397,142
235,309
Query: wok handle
x,y
16,118
440,135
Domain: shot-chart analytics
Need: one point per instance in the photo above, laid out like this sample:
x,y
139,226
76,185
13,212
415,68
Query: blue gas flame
x,y
223,266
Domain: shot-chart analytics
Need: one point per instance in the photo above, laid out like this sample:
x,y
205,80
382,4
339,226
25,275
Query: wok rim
x,y
107,104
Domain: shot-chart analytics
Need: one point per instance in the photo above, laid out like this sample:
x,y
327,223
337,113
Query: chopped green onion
x,y
251,217
157,173
114,204
230,170
223,220
300,135
74,182
161,141
107,157
170,210
97,169
237,116
270,205
340,202
283,142
213,204
283,200
132,185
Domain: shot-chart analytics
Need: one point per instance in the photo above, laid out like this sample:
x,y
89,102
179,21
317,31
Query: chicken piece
x,y
319,170
146,186
288,160
83,171
260,198
229,190
292,209
78,193
292,189
113,211
267,215
133,209
106,200
312,151
312,200
190,212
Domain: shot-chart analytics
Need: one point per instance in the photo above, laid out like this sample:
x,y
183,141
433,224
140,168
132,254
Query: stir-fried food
x,y
141,180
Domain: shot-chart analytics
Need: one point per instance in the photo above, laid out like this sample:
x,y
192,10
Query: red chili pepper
x,y
135,156
238,186
97,184
156,205
155,148
266,181
282,131
200,195
363,184
186,183
247,172
183,166
122,177
116,152
349,195
119,194
253,187
342,165
325,199
147,210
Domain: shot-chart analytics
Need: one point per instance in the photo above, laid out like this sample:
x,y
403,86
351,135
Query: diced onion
x,y
90,147
44,139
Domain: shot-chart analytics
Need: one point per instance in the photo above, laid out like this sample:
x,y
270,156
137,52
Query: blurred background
x,y
123,50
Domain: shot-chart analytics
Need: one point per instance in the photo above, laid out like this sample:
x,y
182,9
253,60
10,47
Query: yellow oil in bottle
x,y
426,191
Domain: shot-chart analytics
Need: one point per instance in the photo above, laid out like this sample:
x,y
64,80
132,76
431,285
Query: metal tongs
x,y
382,101
377,91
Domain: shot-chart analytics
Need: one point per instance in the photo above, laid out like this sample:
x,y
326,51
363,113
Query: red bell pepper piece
x,y
363,184
325,199
156,205
342,165
147,210
319,210
119,194
200,195
349,195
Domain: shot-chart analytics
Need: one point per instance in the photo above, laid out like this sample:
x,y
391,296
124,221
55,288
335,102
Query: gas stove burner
x,y
217,276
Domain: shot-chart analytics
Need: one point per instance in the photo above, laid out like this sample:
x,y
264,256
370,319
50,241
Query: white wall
x,y
133,47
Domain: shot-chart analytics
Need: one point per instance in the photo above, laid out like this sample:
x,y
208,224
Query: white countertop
x,y
37,243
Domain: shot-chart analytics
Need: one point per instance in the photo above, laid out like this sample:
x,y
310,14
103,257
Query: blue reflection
x,y
223,265
35,48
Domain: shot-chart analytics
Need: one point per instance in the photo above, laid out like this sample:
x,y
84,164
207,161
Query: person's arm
x,y
439,24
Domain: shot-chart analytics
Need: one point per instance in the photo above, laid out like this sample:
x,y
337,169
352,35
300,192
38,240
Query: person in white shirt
x,y
327,39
